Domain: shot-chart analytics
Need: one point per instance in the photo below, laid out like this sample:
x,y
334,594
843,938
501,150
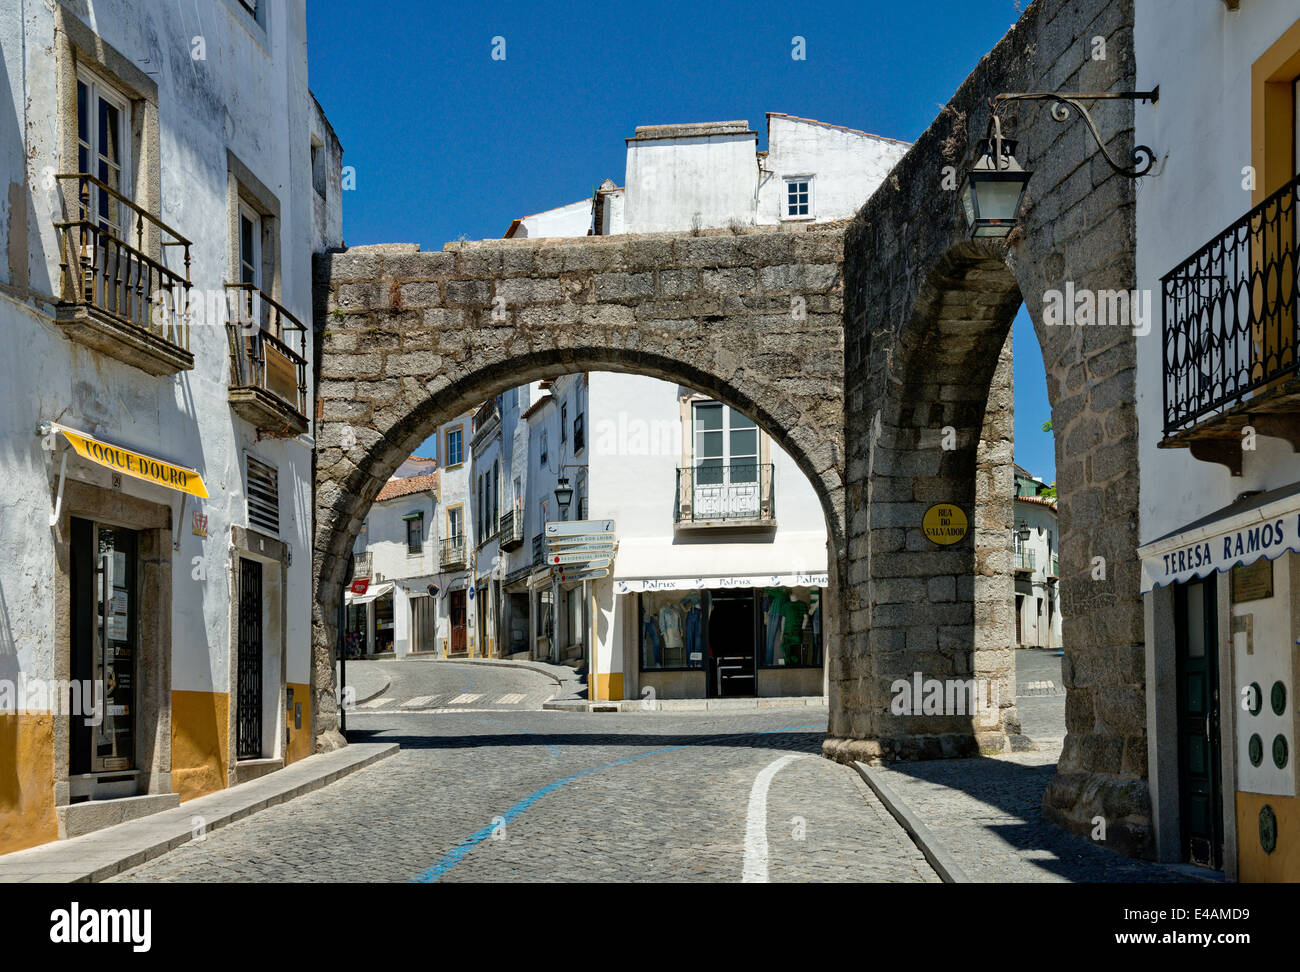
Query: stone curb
x,y
388,683
102,854
683,705
934,852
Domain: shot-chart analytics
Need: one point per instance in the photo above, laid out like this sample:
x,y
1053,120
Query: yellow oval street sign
x,y
944,523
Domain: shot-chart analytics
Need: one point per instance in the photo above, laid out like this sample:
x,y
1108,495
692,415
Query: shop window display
x,y
792,628
673,629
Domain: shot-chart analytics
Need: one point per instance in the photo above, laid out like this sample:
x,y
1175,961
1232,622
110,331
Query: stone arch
x,y
926,323
406,340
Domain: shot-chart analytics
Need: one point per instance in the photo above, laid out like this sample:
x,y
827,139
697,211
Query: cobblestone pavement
x,y
559,796
987,813
1040,695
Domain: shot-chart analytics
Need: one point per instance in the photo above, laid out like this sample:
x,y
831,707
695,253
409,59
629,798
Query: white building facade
x,y
156,299
717,586
1219,480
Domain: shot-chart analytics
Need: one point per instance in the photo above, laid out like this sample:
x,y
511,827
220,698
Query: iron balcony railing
x,y
452,551
1024,560
1230,314
539,551
105,244
512,529
1055,569
260,354
717,492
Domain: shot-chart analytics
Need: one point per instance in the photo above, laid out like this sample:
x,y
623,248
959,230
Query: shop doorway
x,y
456,609
731,630
1200,793
105,647
248,686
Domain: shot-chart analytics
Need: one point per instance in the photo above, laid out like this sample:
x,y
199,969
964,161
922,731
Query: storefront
x,y
369,620
1222,632
727,637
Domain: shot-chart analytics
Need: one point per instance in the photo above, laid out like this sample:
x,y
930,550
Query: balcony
x,y
735,494
512,529
1230,336
451,555
120,297
268,377
539,551
1024,561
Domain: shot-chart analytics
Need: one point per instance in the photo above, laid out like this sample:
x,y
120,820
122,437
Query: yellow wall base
x,y
27,816
607,687
200,742
1253,865
299,744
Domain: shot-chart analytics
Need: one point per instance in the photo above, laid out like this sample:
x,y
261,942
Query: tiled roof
x,y
405,487
1040,500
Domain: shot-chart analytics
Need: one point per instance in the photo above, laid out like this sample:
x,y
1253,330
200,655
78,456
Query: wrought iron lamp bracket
x,y
1143,157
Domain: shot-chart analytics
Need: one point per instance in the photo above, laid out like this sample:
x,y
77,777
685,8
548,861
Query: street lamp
x,y
995,185
563,493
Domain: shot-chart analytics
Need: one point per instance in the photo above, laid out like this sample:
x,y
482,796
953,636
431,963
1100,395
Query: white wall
x,y
846,166
676,183
1200,54
246,88
571,220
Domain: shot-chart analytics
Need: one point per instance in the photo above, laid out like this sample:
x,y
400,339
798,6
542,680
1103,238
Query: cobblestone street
x,y
525,795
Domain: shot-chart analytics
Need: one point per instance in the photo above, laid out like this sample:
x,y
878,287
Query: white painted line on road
x,y
756,822
465,698
417,702
514,698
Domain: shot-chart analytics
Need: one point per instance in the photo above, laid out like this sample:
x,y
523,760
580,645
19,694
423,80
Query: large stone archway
x,y
407,339
926,326
855,348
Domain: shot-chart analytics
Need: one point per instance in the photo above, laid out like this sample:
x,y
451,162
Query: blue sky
x,y
445,141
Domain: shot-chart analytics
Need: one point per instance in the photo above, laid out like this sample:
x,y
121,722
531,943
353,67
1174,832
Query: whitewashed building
x,y
168,181
721,567
1218,473
1036,537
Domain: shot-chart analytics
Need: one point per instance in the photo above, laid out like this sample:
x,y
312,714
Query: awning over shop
x,y
1256,526
655,565
135,464
378,590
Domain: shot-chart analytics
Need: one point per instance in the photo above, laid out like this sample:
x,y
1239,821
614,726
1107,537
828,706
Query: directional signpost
x,y
582,549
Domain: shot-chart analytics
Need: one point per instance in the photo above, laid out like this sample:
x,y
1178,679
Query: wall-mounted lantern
x,y
995,184
563,493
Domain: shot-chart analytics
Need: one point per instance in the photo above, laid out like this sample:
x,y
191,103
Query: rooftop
x,y
405,487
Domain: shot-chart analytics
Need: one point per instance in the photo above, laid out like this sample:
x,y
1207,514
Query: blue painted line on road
x,y
459,852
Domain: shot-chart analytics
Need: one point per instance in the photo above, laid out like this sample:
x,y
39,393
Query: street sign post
x,y
567,558
582,573
578,528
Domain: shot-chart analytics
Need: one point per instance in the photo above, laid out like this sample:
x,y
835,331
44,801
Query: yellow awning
x,y
136,464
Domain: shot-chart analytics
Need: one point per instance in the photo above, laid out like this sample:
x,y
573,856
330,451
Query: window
x,y
798,197
103,119
414,533
496,509
726,445
542,453
579,434
455,447
318,167
564,422
263,492
250,246
478,510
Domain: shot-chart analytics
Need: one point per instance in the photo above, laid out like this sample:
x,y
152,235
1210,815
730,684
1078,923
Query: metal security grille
x,y
248,689
263,496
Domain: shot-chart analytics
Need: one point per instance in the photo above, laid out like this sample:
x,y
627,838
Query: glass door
x,y
105,639
726,464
